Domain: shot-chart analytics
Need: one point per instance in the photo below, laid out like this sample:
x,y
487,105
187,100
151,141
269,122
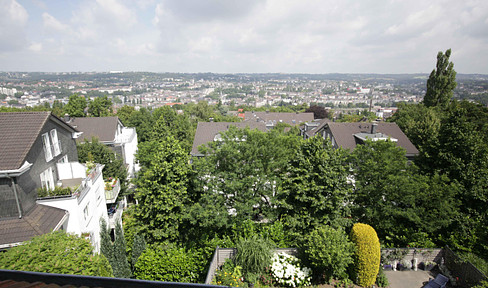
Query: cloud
x,y
13,19
52,24
35,47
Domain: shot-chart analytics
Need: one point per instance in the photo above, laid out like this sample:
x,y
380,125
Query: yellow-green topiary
x,y
367,255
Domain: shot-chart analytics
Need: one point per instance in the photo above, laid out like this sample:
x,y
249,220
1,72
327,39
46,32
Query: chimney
x,y
373,127
66,118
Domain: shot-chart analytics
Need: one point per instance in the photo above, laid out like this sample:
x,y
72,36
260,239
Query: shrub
x,y
381,279
367,255
229,275
286,271
166,263
329,251
253,255
56,252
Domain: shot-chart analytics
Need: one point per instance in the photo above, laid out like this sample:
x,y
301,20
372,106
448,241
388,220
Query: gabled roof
x,y
206,131
103,128
18,132
275,118
321,123
38,221
344,134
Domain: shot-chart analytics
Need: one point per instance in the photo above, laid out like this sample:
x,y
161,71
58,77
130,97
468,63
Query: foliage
x,y
329,252
477,261
319,112
106,246
57,191
482,284
56,252
229,274
381,279
121,266
162,191
166,263
367,254
253,255
316,186
100,107
441,82
238,177
137,248
287,271
94,151
169,123
76,106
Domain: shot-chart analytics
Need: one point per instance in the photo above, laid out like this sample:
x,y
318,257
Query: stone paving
x,y
408,279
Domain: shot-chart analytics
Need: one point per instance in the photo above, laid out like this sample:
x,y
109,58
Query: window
x,y
47,147
47,179
86,212
55,142
64,159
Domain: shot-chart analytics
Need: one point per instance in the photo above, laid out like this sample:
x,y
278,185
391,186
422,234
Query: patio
x,y
408,279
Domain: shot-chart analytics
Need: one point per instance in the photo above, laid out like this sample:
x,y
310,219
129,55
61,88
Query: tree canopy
x,y
56,252
441,82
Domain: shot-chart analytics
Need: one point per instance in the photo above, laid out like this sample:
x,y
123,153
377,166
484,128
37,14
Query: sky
x,y
242,36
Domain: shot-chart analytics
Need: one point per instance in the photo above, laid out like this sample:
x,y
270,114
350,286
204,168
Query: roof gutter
x,y
15,172
16,196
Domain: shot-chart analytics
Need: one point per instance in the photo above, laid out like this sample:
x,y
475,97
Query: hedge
x,y
367,254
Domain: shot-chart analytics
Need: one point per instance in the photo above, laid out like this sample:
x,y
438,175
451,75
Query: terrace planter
x,y
387,267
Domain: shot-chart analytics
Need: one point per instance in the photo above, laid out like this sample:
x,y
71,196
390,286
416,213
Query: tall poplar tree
x,y
441,82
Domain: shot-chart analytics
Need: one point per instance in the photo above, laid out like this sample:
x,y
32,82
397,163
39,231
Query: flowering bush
x,y
110,183
287,271
229,275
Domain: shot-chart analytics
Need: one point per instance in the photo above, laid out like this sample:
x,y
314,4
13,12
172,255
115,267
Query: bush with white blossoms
x,y
287,271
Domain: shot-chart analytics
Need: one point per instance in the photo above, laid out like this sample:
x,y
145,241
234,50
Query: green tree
x,y
121,266
124,113
100,107
240,174
316,186
106,246
162,191
328,251
137,248
56,252
169,123
76,106
100,153
441,82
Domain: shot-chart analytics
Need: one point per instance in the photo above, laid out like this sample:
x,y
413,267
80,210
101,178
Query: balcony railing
x,y
115,214
111,195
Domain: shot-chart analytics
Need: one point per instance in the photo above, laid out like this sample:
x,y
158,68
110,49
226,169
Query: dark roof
x,y
103,128
275,118
344,134
38,221
18,132
25,279
322,122
206,131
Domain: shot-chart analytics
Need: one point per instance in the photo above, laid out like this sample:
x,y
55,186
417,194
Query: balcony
x,y
126,136
115,214
75,176
112,189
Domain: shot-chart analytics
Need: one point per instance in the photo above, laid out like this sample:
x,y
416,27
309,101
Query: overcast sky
x,y
231,36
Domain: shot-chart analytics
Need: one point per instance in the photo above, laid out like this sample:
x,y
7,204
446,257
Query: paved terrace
x,y
408,279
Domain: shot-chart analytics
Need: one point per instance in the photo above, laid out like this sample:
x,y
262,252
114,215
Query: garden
x,y
327,257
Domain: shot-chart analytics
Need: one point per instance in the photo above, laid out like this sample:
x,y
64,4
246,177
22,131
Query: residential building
x,y
38,162
111,132
348,135
210,131
271,119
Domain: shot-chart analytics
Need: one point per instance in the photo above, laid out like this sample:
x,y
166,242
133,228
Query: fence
x,y
221,254
467,274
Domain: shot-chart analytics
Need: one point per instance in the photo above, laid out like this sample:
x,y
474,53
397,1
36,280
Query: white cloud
x,y
13,19
52,24
35,47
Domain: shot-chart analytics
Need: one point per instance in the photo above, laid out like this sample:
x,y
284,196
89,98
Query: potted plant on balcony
x,y
387,265
404,265
429,265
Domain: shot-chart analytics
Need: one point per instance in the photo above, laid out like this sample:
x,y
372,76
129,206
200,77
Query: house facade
x,y
111,132
39,159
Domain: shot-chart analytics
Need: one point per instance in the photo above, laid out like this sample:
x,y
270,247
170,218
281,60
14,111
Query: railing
x,y
126,136
116,216
111,195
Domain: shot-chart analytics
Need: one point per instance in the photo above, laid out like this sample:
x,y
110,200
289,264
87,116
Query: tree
x,y
169,123
162,191
121,266
106,246
56,252
124,113
441,82
137,248
316,186
240,175
319,112
76,106
100,107
99,153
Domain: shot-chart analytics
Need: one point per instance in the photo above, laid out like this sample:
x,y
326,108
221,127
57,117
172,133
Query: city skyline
x,y
242,36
